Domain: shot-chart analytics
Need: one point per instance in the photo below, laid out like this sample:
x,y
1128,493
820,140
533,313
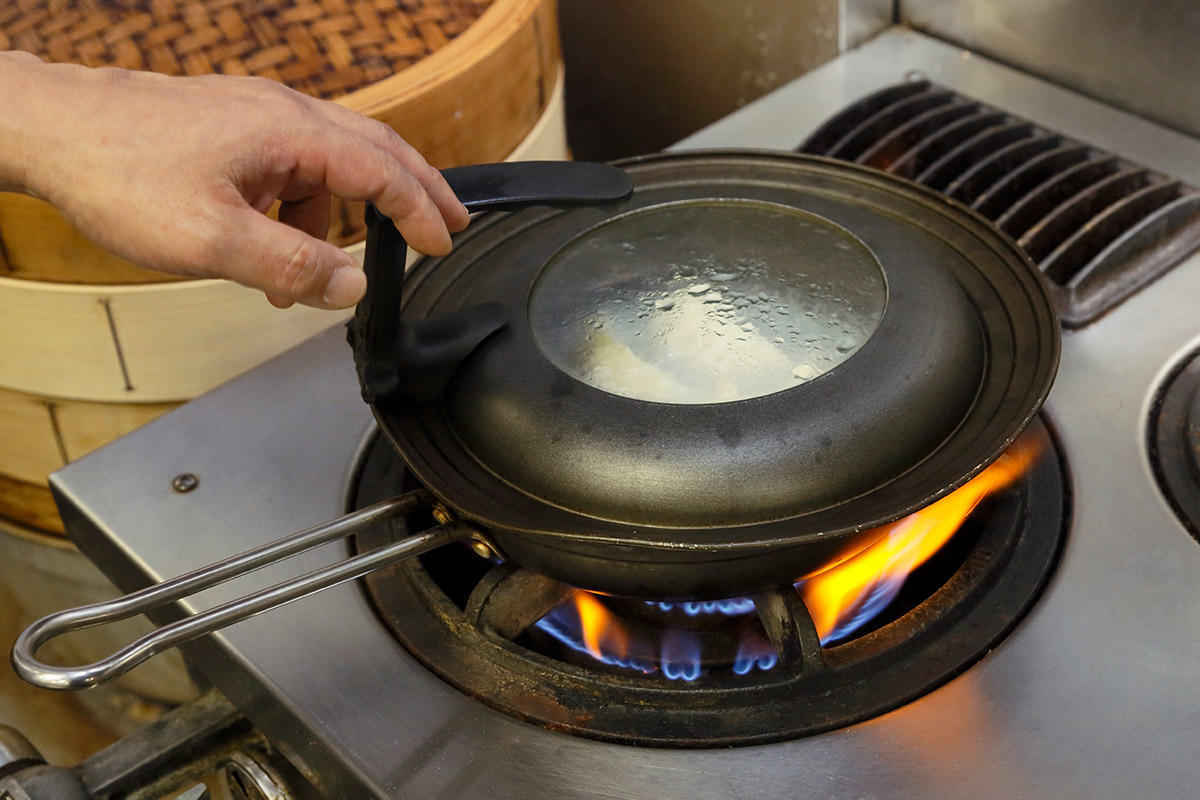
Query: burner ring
x,y
819,690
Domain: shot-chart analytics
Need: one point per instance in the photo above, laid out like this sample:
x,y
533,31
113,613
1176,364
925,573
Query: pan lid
x,y
750,345
706,301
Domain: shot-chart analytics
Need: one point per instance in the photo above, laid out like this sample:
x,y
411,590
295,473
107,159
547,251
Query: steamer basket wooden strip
x,y
29,505
473,101
39,434
29,445
85,426
154,343
499,73
546,141
37,243
321,47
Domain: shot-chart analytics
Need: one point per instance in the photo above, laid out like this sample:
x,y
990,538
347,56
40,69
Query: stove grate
x,y
1098,226
471,621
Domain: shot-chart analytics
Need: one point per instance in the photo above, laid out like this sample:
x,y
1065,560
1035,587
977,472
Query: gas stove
x,y
1090,695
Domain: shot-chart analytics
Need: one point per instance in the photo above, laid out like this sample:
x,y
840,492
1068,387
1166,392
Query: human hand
x,y
176,174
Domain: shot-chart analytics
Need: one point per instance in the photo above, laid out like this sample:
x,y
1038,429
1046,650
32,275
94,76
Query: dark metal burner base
x,y
1173,439
468,641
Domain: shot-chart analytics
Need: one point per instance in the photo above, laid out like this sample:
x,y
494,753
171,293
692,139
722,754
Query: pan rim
x,y
726,538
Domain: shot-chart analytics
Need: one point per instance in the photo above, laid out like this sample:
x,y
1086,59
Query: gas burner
x,y
726,672
1174,441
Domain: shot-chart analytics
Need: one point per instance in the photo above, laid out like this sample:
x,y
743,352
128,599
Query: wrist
x,y
32,127
16,73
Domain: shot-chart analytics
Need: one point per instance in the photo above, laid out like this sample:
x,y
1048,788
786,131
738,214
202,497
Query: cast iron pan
x,y
657,500
683,501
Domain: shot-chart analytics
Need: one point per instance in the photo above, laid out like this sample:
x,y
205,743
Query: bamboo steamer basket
x,y
39,434
92,359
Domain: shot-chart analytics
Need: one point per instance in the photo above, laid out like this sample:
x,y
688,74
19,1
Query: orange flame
x,y
834,593
838,590
602,633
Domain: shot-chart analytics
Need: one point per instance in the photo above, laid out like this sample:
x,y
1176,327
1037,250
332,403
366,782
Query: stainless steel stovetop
x,y
1095,695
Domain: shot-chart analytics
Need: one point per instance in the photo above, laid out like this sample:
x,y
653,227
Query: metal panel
x,y
786,117
1101,230
1138,56
1045,197
1075,211
1092,697
938,143
864,19
640,75
854,115
1016,184
884,153
853,144
958,161
994,168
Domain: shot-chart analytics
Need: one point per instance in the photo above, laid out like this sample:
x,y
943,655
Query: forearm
x,y
24,82
195,163
17,85
44,118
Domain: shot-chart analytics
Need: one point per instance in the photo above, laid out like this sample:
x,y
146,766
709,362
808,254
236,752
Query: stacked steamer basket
x,y
96,346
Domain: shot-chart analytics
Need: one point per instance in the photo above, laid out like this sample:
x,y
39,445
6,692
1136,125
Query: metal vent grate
x,y
1098,226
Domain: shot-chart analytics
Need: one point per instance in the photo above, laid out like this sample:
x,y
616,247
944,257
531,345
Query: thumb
x,y
290,265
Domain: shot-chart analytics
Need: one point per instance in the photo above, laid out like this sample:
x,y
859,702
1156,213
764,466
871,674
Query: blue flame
x,y
731,607
755,653
562,634
680,655
679,649
881,595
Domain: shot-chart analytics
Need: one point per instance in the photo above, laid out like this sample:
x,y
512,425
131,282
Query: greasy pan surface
x,y
710,500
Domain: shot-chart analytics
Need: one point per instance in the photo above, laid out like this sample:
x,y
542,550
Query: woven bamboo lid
x,y
325,48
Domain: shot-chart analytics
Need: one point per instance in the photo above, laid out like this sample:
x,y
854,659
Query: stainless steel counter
x,y
1094,696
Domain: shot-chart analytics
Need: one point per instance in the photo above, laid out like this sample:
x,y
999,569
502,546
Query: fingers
x,y
453,212
356,168
310,215
345,154
277,301
289,265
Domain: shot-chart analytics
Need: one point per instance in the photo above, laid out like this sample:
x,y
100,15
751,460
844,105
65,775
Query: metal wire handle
x,y
38,673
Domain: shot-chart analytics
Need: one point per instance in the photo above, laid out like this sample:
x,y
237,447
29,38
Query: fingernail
x,y
345,288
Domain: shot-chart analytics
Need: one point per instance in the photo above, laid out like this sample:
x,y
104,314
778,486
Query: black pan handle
x,y
415,359
504,187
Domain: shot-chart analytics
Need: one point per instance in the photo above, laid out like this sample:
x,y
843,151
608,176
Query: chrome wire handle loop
x,y
24,654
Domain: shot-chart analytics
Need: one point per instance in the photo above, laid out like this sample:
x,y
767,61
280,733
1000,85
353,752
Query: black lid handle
x,y
415,359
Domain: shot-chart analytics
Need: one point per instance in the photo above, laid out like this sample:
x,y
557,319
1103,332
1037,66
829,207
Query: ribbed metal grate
x,y
1098,226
